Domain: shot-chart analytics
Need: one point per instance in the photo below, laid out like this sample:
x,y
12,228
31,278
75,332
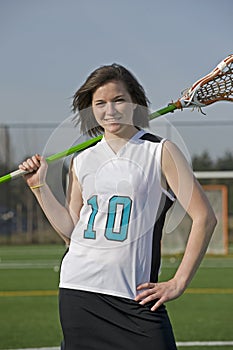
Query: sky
x,y
49,47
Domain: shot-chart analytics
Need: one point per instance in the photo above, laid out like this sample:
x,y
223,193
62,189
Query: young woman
x,y
119,192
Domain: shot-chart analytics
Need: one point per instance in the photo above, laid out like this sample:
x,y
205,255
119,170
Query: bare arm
x,y
191,196
62,218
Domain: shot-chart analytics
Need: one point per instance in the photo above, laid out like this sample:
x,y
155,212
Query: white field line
x,y
181,343
204,343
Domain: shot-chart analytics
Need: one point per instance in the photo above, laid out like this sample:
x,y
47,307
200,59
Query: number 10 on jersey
x,y
113,205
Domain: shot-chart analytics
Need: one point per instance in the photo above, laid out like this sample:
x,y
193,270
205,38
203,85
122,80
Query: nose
x,y
110,108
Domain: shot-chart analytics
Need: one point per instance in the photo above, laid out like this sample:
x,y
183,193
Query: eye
x,y
100,103
120,100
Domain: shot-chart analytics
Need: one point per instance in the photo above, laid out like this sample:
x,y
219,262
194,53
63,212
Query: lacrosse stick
x,y
215,86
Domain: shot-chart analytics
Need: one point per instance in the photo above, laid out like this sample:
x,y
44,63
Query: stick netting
x,y
218,88
215,86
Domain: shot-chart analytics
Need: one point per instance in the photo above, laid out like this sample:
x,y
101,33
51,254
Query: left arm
x,y
189,193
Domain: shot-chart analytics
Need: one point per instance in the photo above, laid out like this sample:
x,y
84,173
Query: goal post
x,y
174,241
218,197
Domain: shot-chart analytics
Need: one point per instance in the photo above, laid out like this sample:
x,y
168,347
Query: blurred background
x,y
47,49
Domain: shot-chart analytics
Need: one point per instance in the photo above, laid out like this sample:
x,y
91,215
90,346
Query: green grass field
x,y
29,307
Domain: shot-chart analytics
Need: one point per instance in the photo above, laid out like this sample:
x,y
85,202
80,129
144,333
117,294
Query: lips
x,y
112,120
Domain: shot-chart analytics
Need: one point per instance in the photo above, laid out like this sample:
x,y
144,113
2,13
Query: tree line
x,y
204,162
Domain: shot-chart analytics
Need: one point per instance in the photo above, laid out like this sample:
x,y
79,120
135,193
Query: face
x,y
113,107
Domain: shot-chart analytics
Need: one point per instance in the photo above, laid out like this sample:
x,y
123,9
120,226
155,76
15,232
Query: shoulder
x,y
176,168
171,154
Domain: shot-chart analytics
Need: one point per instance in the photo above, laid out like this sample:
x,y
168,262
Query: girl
x,y
119,192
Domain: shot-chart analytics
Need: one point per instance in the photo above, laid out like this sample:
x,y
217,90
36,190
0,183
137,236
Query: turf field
x,y
29,308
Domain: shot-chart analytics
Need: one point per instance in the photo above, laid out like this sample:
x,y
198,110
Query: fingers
x,y
146,285
35,169
152,292
157,304
159,292
31,164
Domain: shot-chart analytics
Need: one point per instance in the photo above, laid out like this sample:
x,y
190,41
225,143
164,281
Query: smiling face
x,y
113,108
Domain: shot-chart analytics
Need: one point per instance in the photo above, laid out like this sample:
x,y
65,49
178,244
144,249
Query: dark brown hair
x,y
82,99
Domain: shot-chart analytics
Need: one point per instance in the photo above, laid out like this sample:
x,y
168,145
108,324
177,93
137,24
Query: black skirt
x,y
94,321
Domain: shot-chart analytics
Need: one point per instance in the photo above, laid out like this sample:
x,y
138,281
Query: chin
x,y
114,128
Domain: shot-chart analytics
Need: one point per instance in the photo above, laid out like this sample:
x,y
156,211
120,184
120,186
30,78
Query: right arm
x,y
62,218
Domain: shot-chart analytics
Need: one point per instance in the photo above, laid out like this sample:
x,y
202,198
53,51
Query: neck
x,y
116,141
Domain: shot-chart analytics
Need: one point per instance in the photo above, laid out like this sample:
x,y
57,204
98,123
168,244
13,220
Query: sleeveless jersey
x,y
115,245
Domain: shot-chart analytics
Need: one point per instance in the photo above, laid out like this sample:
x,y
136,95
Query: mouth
x,y
112,120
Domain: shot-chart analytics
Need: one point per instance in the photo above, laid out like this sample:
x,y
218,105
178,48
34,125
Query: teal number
x,y
90,232
114,203
126,204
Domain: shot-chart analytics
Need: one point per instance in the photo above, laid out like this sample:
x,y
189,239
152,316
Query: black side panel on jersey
x,y
151,137
165,204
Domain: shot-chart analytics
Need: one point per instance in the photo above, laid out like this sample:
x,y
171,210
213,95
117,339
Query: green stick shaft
x,y
5,178
80,147
77,148
163,111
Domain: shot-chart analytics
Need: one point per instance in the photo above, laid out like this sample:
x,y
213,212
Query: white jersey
x,y
115,246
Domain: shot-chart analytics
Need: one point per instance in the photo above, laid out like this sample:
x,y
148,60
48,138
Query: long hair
x,y
82,99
